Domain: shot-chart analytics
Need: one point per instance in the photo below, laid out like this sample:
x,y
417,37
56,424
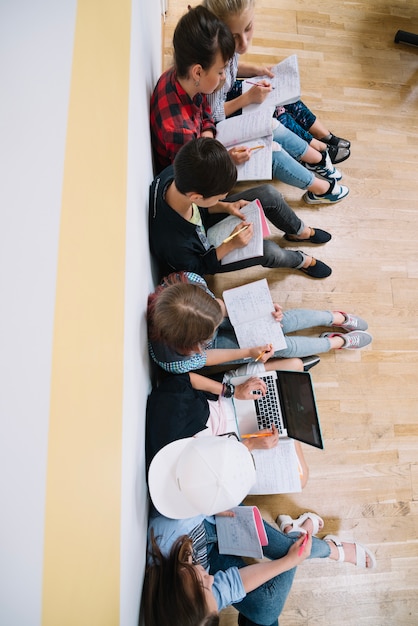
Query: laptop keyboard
x,y
268,408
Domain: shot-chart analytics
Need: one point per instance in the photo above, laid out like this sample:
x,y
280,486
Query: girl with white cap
x,y
187,581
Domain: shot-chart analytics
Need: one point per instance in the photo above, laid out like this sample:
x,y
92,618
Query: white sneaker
x,y
336,195
353,341
327,171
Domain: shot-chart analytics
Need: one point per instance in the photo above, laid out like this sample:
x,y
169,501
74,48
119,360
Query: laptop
x,y
289,403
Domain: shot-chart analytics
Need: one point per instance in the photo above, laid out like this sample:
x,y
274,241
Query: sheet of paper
x,y
220,231
238,535
259,165
286,83
249,132
277,469
238,130
250,308
265,330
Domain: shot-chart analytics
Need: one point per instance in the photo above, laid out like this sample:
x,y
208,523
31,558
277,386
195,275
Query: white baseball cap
x,y
200,476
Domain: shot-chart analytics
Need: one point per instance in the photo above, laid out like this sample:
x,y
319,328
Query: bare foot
x,y
309,527
338,318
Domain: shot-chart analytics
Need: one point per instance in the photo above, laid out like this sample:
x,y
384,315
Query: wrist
x,y
222,250
228,390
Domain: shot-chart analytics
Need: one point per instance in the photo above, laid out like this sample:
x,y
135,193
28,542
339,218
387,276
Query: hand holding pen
x,y
259,91
241,234
262,440
301,549
303,544
242,154
265,354
261,83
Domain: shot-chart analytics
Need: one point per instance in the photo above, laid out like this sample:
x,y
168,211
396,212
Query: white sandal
x,y
361,552
296,524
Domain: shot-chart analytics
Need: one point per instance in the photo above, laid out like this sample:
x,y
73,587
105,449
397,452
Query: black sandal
x,y
333,140
338,155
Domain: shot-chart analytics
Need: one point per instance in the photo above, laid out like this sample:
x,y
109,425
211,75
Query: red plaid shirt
x,y
176,119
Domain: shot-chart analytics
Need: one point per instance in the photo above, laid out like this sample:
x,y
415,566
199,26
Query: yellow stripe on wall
x,y
83,500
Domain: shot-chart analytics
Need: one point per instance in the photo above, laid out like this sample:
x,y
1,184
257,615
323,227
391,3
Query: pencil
x,y
260,355
251,82
250,149
251,435
235,234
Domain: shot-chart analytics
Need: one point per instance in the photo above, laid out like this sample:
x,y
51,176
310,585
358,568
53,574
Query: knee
x,y
270,195
273,254
304,476
296,364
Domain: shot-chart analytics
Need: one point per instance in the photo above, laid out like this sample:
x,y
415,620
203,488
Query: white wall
x,y
36,39
146,66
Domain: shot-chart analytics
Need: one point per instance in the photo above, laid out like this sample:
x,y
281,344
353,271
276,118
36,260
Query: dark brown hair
x,y
181,314
198,37
172,592
204,166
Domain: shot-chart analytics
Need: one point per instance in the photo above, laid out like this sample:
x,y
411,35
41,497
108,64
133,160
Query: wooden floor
x,y
365,483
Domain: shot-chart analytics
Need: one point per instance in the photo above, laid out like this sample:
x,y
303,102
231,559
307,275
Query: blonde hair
x,y
225,8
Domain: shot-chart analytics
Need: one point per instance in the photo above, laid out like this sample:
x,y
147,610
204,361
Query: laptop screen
x,y
299,407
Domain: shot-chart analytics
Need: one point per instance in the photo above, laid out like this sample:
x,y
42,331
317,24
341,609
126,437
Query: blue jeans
x,y
297,346
286,166
279,213
263,606
299,319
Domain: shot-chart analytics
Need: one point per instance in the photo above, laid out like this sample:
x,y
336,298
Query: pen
x,y
250,149
235,234
251,435
260,355
251,82
303,544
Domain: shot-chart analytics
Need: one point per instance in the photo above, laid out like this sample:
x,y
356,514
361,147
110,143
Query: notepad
x,y
242,535
250,309
285,83
219,232
250,131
